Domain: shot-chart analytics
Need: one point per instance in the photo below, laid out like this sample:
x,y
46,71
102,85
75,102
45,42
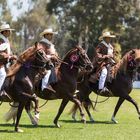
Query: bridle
x,y
74,58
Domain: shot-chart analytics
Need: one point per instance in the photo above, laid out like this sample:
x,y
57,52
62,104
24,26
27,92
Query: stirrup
x,y
103,90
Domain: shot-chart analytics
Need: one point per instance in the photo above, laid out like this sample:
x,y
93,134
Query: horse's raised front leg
x,y
20,109
119,103
62,106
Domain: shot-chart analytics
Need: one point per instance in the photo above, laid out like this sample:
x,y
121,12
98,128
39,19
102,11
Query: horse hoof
x,y
57,125
73,117
19,130
91,120
84,121
35,122
114,121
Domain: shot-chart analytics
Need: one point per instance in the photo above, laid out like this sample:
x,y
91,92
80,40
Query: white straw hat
x,y
5,27
106,34
48,31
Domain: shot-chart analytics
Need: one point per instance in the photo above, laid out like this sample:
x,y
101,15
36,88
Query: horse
x,y
20,86
121,85
67,72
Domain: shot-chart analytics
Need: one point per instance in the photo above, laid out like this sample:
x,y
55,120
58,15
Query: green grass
x,y
127,129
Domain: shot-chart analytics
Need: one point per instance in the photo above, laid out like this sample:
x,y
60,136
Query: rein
x,y
97,102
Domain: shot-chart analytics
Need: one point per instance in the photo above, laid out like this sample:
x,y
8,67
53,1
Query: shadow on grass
x,y
7,131
28,126
88,122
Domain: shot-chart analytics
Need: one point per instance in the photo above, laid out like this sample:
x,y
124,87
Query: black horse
x,y
20,87
121,86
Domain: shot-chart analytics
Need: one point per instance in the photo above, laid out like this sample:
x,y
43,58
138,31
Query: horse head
x,y
78,58
131,60
42,60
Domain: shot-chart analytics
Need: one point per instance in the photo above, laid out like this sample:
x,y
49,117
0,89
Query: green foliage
x,y
79,20
121,16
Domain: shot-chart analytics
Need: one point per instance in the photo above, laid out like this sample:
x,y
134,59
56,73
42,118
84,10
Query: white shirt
x,y
6,41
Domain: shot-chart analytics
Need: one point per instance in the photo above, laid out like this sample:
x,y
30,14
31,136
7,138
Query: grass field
x,y
128,127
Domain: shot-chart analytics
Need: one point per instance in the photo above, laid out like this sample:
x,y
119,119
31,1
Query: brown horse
x,y
20,87
66,84
121,86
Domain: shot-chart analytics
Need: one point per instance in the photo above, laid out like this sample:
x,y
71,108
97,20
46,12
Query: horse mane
x,y
23,57
121,66
70,51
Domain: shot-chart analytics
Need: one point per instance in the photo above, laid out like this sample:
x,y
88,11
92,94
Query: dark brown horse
x,y
20,87
66,84
121,86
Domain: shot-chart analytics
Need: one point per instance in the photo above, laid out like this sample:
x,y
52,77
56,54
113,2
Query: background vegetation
x,y
76,21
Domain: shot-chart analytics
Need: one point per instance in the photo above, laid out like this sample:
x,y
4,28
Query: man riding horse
x,y
104,59
5,52
50,77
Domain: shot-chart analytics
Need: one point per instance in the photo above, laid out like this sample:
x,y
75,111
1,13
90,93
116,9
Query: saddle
x,y
95,74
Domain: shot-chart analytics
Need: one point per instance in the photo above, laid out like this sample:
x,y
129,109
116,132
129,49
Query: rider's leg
x,y
2,76
45,82
102,80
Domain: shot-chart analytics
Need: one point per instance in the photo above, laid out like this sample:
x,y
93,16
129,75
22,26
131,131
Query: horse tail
x,y
11,114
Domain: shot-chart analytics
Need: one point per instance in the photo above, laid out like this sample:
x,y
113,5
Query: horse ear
x,y
133,51
36,45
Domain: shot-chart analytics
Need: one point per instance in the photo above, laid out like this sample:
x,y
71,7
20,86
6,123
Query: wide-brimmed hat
x,y
5,27
48,31
106,34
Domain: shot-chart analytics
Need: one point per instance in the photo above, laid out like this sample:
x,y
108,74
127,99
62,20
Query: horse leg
x,y
20,109
119,103
28,110
78,103
128,98
74,110
36,101
62,106
87,103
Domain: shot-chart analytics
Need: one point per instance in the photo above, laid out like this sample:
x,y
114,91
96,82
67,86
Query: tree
x,y
120,16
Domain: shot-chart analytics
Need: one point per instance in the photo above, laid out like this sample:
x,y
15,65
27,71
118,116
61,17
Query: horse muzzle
x,y
89,67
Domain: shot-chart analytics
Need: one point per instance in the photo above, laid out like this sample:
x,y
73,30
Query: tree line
x,y
76,21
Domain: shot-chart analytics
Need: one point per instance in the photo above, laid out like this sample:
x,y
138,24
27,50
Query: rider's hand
x,y
108,56
13,57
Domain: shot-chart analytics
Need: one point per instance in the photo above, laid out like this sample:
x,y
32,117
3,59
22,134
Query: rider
x,y
5,51
47,36
104,54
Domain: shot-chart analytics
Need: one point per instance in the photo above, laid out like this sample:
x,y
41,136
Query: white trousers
x,y
45,80
2,76
102,78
